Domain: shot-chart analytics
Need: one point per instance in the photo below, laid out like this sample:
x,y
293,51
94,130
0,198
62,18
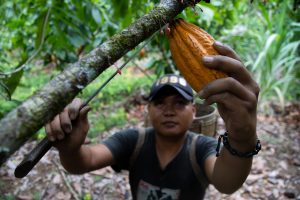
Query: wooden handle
x,y
32,158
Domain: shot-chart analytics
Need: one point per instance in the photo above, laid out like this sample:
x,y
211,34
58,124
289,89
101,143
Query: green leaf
x,y
13,81
280,96
41,23
76,40
107,19
271,39
96,15
120,8
4,91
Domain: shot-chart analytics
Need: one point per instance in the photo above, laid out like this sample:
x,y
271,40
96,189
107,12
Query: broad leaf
x,y
41,29
12,82
4,91
96,15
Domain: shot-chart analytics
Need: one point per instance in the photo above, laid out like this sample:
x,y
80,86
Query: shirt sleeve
x,y
122,144
206,146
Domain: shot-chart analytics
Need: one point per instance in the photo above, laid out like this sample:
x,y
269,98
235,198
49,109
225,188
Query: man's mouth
x,y
169,123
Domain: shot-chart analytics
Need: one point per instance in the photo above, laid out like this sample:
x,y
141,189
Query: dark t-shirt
x,y
147,179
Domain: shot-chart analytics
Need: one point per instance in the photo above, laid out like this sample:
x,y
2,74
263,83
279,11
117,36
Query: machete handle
x,y
32,158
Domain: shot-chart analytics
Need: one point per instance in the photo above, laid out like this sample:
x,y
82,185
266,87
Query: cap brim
x,y
184,94
179,90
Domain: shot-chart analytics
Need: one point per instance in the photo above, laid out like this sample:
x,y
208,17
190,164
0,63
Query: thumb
x,y
84,112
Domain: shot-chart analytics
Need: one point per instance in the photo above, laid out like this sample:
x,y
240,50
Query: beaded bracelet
x,y
234,151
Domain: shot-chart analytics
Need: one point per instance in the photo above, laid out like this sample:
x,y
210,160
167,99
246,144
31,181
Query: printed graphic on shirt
x,y
146,191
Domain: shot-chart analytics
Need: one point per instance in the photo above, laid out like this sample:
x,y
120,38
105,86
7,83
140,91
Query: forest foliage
x,y
39,38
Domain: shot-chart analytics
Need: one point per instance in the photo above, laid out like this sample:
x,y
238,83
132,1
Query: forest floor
x,y
275,173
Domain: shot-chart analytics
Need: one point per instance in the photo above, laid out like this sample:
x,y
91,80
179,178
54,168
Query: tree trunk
x,y
25,120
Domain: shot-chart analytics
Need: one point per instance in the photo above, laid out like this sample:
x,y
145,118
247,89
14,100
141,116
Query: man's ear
x,y
147,122
194,110
147,108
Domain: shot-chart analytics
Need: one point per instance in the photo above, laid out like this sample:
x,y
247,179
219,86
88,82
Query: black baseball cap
x,y
174,81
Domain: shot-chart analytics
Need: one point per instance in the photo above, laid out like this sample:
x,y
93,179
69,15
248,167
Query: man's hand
x,y
236,96
68,129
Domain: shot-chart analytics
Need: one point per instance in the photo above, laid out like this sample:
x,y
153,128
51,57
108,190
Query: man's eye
x,y
156,103
182,102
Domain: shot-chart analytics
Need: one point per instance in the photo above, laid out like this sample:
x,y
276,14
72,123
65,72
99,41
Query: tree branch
x,y
22,122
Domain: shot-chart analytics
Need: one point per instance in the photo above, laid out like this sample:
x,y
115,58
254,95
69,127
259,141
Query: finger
x,y
84,119
65,121
225,50
56,128
74,107
228,100
230,66
229,85
84,112
49,133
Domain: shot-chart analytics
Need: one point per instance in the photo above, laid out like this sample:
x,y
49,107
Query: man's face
x,y
170,113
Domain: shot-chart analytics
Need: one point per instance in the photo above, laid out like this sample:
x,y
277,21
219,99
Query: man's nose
x,y
169,109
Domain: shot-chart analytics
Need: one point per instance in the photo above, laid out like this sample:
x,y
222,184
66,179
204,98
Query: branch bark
x,y
22,122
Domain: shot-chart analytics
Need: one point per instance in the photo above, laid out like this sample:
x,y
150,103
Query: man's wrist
x,y
70,152
237,148
243,146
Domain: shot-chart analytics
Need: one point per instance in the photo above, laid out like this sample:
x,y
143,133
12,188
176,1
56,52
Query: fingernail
x,y
72,115
51,138
60,136
200,94
207,59
219,44
68,129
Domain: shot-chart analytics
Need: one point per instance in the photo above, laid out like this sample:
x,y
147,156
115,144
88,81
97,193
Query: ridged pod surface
x,y
188,44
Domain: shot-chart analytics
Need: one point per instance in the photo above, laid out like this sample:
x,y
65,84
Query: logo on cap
x,y
173,80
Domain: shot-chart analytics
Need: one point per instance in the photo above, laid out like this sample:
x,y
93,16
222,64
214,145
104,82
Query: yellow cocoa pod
x,y
188,44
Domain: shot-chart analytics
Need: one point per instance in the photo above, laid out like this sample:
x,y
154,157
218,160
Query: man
x,y
162,167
